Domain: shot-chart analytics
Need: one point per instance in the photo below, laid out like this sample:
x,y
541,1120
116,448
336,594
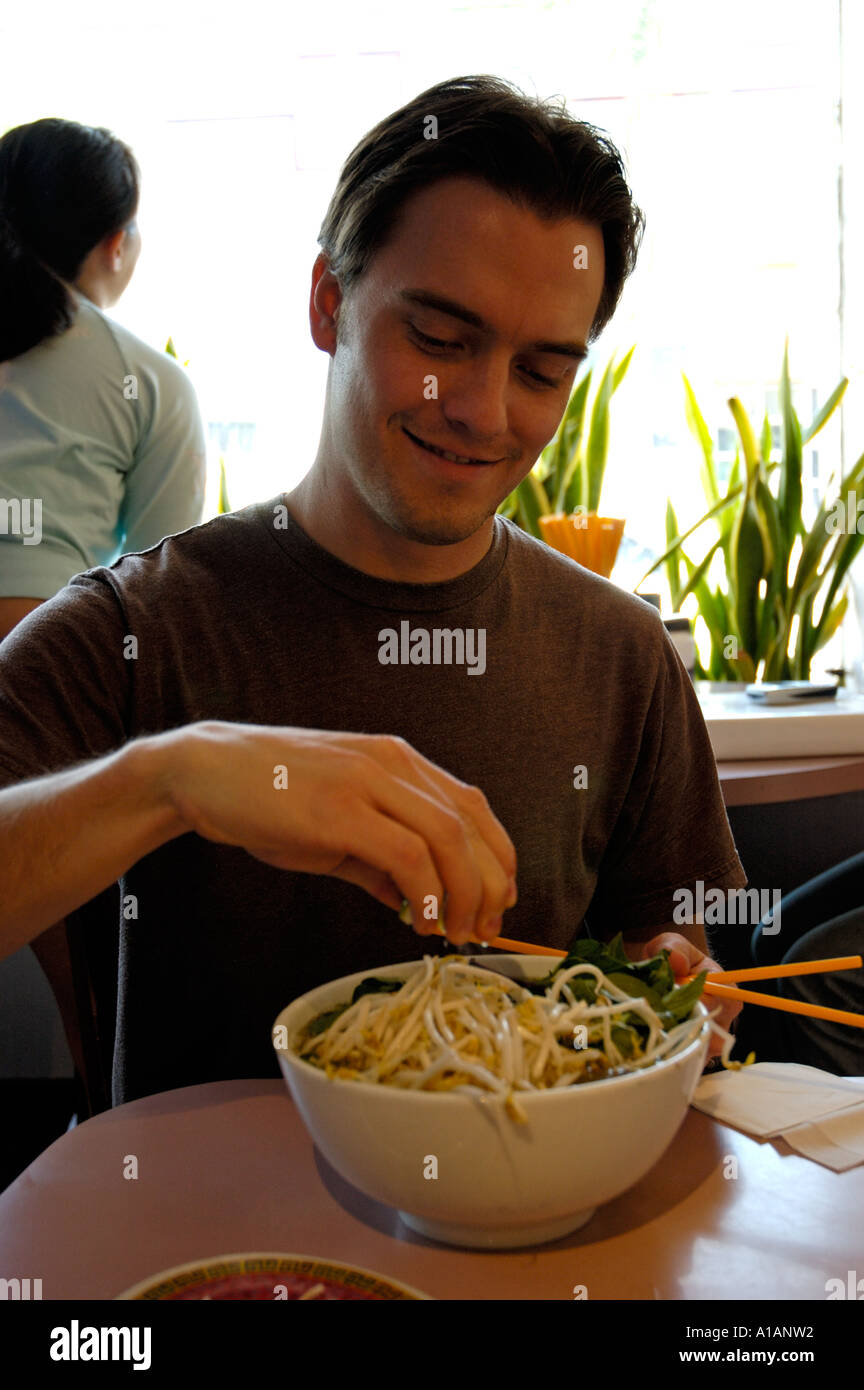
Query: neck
x,y
348,530
92,290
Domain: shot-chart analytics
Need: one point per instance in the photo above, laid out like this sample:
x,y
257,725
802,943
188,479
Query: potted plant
x,y
559,500
780,595
224,504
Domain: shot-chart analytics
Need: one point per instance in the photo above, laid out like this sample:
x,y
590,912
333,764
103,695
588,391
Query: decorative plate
x,y
270,1277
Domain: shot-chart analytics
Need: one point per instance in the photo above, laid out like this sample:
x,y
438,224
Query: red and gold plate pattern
x,y
305,1278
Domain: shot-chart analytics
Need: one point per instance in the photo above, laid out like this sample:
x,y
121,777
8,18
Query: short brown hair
x,y
532,151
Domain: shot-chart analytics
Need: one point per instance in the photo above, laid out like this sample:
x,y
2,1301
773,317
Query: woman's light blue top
x,y
101,452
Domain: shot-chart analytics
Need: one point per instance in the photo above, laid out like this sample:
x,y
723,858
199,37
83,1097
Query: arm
x,y
366,809
67,836
164,488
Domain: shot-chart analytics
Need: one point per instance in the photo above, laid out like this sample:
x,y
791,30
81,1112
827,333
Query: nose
x,y
475,403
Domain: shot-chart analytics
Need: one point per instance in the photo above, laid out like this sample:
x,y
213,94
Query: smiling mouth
x,y
446,454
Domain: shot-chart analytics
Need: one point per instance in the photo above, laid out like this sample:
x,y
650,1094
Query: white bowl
x,y
499,1183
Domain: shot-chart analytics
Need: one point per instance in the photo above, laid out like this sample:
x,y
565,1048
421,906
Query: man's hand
x,y
687,958
365,808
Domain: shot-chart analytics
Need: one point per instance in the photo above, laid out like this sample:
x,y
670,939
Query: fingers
x,y
686,959
377,884
404,762
384,851
368,808
461,851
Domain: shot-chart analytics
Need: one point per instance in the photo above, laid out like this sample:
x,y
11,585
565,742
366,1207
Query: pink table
x,y
229,1168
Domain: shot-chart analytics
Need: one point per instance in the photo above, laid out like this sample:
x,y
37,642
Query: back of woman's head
x,y
64,187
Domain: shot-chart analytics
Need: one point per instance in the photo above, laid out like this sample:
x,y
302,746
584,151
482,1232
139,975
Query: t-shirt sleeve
x,y
164,487
65,682
673,829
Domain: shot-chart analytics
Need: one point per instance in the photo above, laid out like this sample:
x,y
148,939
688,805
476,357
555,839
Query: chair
x,y
79,959
824,916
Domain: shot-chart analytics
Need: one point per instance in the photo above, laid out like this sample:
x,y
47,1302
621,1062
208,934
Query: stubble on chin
x,y
425,525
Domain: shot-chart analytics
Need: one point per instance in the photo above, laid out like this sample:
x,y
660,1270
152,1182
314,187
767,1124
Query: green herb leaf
x,y
371,985
323,1021
626,1039
638,988
680,1002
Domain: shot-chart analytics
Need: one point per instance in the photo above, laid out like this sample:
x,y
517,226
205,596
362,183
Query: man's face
x,y
409,371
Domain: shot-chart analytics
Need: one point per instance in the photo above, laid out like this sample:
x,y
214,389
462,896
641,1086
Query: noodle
x,y
458,1027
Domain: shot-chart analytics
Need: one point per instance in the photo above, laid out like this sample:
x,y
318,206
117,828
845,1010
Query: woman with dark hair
x,y
101,441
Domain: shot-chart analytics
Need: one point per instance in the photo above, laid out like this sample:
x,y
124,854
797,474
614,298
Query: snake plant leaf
x,y
698,427
775,656
556,454
566,456
748,561
777,558
565,459
741,667
766,620
766,443
224,504
744,667
816,540
568,476
597,447
824,415
673,563
846,549
790,494
830,622
533,503
775,651
722,626
726,518
804,645
747,437
709,609
621,370
696,575
711,614
679,540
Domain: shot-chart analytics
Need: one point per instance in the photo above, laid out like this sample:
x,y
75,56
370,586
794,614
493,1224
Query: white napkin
x,y
820,1115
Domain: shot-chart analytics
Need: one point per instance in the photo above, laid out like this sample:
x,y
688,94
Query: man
x,y
374,683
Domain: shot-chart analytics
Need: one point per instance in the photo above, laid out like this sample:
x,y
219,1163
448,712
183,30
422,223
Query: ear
x,y
325,300
112,249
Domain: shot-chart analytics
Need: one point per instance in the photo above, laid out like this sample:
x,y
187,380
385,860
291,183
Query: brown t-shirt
x,y
569,708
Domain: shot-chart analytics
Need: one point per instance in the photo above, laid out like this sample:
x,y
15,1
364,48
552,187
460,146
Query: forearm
x,y
67,836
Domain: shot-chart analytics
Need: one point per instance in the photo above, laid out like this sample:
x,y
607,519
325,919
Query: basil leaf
x,y
625,1039
322,1022
639,989
680,1002
371,985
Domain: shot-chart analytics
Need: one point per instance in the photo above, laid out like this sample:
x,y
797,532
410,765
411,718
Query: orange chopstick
x,y
523,948
788,1006
725,977
715,982
779,972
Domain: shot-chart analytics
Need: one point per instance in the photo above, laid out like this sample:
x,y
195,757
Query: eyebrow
x,y
427,299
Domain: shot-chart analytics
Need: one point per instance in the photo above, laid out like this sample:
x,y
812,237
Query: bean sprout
x,y
459,1028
